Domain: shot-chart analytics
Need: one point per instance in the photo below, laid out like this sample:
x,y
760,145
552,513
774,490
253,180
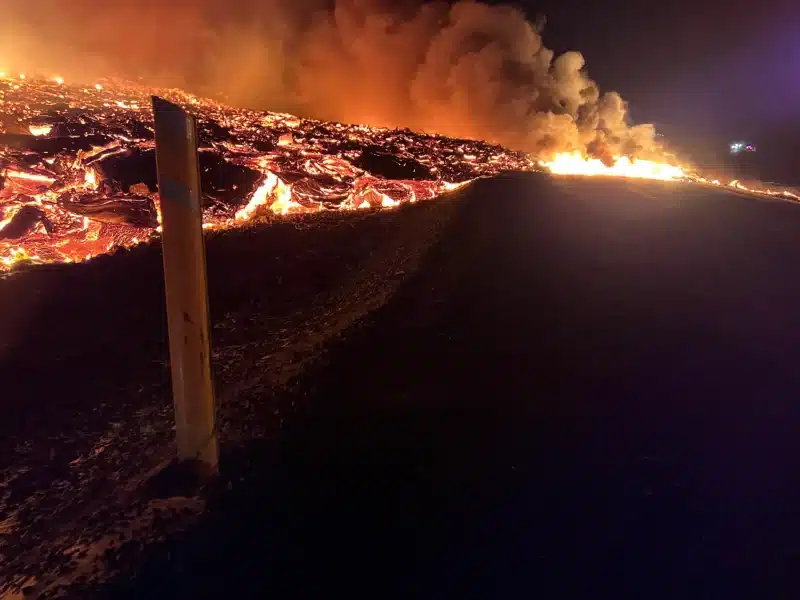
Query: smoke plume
x,y
463,69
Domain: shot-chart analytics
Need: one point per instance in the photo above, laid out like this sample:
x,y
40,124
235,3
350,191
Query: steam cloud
x,y
463,69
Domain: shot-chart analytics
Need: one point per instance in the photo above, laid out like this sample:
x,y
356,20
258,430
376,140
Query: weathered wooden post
x,y
185,282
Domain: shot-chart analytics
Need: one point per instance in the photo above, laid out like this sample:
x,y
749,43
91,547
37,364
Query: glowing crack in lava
x,y
78,170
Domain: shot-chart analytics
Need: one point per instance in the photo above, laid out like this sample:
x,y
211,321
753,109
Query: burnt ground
x,y
587,389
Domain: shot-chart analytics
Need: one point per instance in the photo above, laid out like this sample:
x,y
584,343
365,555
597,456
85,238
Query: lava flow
x,y
78,169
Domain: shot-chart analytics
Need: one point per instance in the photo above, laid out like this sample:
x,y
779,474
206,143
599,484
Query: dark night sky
x,y
704,71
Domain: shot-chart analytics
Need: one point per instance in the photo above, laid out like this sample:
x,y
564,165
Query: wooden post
x,y
185,283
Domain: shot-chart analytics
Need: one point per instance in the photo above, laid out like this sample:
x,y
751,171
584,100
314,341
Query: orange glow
x,y
574,163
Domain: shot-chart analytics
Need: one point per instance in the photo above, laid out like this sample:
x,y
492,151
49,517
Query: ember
x,y
77,166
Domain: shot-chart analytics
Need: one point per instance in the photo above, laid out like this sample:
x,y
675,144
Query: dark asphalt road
x,y
589,390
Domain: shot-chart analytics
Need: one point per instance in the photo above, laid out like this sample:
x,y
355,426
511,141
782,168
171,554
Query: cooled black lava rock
x,y
221,181
377,161
132,210
129,168
82,126
264,144
224,181
342,147
53,144
25,221
141,131
211,131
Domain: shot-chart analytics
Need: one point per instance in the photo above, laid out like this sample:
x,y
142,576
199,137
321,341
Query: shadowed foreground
x,y
588,389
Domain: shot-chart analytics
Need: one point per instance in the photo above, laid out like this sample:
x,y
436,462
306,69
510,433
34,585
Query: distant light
x,y
737,147
22,75
59,80
98,86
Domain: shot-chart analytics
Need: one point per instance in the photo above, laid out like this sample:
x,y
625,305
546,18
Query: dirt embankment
x,y
86,400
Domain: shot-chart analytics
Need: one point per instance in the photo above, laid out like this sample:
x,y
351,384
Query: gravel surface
x,y
87,415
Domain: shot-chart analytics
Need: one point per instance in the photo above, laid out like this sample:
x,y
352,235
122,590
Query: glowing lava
x,y
77,166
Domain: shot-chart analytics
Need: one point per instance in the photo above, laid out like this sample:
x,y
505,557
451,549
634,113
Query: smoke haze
x,y
463,69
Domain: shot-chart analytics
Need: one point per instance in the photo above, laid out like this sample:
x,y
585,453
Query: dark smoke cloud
x,y
464,69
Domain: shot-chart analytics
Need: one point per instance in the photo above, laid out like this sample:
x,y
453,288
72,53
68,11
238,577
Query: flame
x,y
259,198
574,163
